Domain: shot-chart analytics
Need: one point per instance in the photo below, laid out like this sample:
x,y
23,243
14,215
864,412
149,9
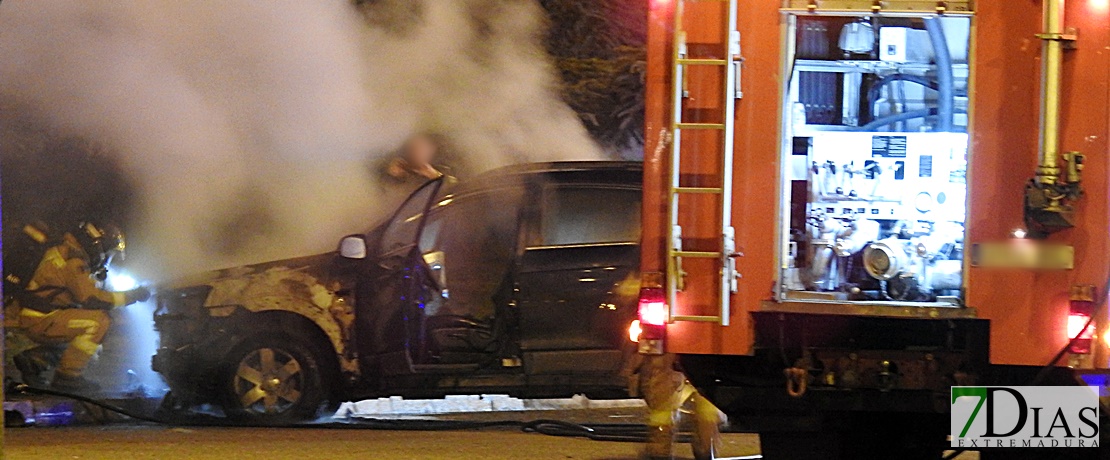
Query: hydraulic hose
x,y
892,119
874,92
946,101
876,89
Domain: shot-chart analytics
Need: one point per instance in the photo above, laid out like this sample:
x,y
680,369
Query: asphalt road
x,y
136,443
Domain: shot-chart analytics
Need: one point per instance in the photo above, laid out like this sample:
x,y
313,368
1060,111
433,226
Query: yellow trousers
x,y
83,330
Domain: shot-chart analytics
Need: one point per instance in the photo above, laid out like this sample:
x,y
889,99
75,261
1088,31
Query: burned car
x,y
522,281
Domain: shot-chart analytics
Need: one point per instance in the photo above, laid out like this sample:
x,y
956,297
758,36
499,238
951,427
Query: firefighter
x,y
61,308
415,160
668,395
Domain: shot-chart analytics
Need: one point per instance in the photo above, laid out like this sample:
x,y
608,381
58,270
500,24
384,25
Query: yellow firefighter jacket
x,y
63,280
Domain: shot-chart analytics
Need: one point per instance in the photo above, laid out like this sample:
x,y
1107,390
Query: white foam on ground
x,y
455,404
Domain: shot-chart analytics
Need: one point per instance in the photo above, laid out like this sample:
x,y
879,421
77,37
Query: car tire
x,y
272,380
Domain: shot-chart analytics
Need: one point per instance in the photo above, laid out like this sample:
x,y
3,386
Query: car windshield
x,y
404,228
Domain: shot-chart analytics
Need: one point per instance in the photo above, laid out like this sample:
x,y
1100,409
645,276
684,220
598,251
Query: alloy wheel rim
x,y
268,381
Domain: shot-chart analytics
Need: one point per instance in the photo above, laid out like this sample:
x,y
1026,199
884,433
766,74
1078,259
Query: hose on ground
x,y
611,432
27,389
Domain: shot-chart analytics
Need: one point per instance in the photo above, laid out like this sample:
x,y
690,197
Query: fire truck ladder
x,y
730,68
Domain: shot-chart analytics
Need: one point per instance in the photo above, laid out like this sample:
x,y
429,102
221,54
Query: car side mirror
x,y
353,247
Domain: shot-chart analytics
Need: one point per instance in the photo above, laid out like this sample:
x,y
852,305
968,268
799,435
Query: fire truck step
x,y
690,61
709,190
700,125
696,254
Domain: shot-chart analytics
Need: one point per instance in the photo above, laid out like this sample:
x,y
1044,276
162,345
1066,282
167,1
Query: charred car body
x,y
521,281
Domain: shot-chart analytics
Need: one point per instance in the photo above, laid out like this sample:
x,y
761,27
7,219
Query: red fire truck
x,y
851,206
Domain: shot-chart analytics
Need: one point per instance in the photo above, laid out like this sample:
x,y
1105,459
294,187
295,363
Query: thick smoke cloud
x,y
249,129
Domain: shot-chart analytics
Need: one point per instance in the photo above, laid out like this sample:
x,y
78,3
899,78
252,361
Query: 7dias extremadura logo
x,y
1024,417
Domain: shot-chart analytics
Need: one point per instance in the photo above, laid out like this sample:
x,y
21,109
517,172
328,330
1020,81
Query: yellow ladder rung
x,y
700,126
708,190
686,61
697,319
696,254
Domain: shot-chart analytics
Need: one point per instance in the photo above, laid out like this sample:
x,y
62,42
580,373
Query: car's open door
x,y
398,285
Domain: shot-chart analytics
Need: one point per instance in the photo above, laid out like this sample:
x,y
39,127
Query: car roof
x,y
606,173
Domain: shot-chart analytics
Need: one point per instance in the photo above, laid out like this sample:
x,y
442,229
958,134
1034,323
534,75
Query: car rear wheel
x,y
272,380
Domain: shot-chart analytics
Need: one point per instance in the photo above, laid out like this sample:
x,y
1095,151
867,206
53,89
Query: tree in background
x,y
598,47
56,178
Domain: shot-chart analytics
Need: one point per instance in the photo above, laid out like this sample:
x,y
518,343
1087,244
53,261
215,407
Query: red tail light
x,y
653,313
1081,330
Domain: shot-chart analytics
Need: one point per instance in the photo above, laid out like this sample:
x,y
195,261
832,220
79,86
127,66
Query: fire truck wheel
x,y
272,379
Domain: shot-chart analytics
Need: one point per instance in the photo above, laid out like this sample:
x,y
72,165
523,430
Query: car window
x,y
402,230
589,215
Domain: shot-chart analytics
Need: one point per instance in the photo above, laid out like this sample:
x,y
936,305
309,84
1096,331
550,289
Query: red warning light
x,y
1081,330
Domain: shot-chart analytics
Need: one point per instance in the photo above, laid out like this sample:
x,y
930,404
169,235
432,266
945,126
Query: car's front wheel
x,y
272,380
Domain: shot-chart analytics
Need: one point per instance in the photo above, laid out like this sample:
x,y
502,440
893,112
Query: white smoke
x,y
249,127
477,69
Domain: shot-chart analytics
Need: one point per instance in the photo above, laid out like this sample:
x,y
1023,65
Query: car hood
x,y
232,285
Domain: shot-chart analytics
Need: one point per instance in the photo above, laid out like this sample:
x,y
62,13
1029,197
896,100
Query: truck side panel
x,y
1028,310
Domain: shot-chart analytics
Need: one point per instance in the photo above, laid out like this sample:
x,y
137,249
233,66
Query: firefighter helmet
x,y
102,242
